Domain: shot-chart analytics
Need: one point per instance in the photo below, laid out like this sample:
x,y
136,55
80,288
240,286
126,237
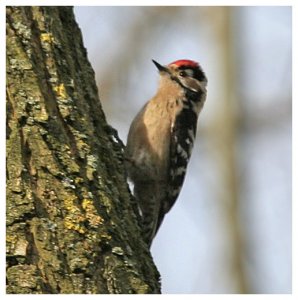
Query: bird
x,y
160,141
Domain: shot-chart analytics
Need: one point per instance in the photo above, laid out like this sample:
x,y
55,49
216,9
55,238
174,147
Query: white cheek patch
x,y
189,72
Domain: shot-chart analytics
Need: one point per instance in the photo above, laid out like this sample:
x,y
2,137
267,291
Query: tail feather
x,y
149,197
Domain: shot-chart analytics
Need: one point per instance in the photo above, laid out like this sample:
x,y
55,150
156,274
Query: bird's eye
x,y
182,73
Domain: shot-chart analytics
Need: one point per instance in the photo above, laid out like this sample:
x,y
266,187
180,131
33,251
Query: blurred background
x,y
230,230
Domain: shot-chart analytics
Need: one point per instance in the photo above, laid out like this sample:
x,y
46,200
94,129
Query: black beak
x,y
160,67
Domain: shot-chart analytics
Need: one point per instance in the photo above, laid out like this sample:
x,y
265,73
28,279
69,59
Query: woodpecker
x,y
161,138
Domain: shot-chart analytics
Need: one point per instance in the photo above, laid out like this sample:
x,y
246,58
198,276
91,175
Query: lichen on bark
x,y
72,226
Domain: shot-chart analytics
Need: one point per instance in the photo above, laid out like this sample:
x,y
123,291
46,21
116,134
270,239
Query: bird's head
x,y
187,73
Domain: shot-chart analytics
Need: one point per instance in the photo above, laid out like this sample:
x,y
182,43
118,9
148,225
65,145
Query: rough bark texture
x,y
71,222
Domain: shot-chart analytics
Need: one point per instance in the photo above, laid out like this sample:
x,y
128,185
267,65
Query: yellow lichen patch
x,y
91,213
74,216
82,146
60,91
87,203
69,204
47,38
11,239
69,224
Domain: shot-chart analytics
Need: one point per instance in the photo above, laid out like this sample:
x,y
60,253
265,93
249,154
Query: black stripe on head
x,y
197,72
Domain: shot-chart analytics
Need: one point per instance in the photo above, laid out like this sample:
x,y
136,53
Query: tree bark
x,y
72,224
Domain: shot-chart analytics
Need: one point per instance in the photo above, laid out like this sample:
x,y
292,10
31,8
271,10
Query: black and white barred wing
x,y
182,140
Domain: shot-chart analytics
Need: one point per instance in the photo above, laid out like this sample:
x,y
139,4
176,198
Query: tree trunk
x,y
72,225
